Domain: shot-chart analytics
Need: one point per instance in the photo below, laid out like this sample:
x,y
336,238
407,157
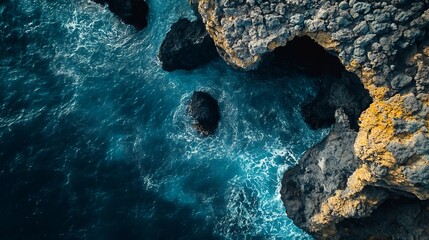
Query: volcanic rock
x,y
205,111
186,46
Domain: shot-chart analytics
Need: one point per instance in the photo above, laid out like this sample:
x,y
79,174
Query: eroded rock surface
x,y
386,44
186,46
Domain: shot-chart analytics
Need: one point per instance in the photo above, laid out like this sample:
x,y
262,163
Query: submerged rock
x,y
187,45
132,12
205,110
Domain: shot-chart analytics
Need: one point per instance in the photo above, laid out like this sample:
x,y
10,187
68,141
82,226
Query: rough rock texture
x,y
397,218
346,92
323,170
336,88
186,46
130,11
386,44
205,110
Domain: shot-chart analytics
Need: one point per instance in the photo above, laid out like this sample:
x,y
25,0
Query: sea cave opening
x,y
335,86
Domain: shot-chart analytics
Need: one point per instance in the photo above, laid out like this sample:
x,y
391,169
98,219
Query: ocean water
x,y
95,142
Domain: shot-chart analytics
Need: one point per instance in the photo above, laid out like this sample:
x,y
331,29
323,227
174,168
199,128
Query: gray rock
x,y
379,28
343,5
412,104
400,81
401,16
361,29
364,40
361,7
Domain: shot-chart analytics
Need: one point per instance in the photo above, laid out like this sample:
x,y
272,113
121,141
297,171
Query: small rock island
x,y
205,111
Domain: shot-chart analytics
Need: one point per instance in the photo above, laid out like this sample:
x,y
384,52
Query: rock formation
x,y
336,87
132,12
205,110
384,43
186,46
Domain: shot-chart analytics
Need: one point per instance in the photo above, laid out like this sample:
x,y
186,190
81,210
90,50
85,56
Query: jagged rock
x,y
186,46
321,171
132,12
377,41
336,87
397,218
205,111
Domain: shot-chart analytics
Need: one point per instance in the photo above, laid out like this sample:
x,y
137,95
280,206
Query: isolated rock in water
x,y
205,110
132,12
186,46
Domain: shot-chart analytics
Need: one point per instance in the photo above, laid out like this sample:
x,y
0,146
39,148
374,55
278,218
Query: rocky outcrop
x,y
186,46
132,12
323,170
336,87
205,111
386,44
345,92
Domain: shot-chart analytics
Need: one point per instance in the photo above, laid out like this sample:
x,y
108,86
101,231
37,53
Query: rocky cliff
x,y
386,44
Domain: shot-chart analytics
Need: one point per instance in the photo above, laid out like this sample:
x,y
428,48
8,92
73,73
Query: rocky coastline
x,y
361,182
186,46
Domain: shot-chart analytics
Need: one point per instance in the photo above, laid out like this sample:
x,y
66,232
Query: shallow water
x,y
95,142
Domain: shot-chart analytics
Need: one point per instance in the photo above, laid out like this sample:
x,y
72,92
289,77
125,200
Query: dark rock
x,y
325,168
346,92
397,218
321,171
194,6
400,81
305,55
132,12
336,88
186,46
205,110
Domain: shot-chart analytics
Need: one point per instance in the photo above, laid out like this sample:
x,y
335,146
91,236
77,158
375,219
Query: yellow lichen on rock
x,y
341,205
323,39
377,132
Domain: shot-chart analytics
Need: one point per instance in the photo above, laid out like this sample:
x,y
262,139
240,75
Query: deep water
x,y
95,142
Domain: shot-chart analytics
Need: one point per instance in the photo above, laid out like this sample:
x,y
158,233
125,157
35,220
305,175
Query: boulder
x,y
132,12
205,111
186,46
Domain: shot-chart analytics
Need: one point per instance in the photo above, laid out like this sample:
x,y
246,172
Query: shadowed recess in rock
x,y
337,88
397,218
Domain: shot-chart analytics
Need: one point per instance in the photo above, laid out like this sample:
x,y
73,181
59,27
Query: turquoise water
x,y
96,144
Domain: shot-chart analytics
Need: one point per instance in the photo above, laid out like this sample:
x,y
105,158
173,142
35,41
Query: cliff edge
x,y
386,44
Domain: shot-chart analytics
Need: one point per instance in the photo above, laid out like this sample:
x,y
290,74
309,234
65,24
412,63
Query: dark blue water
x,y
95,142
